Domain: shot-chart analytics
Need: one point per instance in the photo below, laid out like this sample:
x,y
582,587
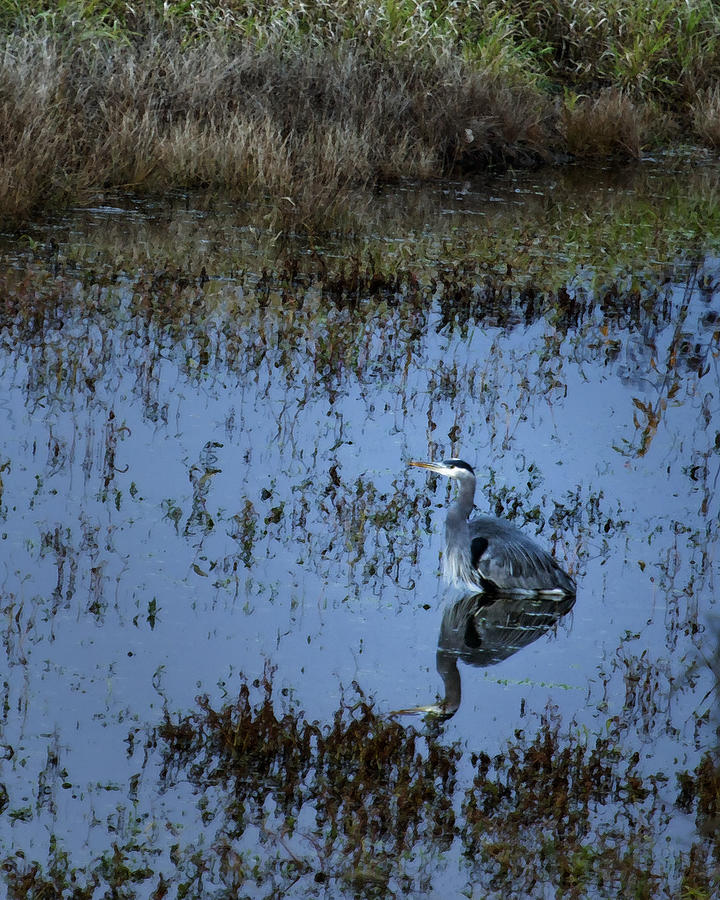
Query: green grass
x,y
300,102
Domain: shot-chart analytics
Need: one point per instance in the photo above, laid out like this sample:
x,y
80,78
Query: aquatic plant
x,y
164,351
363,804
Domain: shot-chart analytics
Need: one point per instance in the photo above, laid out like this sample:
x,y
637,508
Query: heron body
x,y
489,554
483,630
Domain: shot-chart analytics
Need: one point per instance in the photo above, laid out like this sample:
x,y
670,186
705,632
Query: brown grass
x,y
303,101
706,116
611,124
304,126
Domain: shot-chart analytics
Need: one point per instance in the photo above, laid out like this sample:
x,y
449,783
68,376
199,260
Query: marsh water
x,y
214,556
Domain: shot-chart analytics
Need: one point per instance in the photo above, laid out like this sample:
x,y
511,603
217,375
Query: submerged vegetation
x,y
205,385
364,807
301,102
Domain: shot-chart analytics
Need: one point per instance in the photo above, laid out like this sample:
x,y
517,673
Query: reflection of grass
x,y
360,802
325,321
584,229
302,101
360,312
578,227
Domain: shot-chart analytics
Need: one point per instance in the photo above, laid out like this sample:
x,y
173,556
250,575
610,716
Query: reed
x,y
300,102
706,116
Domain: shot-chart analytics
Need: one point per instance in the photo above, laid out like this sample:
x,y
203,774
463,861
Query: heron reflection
x,y
482,630
489,554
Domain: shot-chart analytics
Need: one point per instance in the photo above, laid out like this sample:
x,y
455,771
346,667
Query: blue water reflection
x,y
176,515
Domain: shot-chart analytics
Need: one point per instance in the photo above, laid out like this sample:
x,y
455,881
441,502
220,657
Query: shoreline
x,y
305,103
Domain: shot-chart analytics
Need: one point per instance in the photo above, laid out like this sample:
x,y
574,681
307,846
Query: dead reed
x,y
298,102
609,124
707,116
302,126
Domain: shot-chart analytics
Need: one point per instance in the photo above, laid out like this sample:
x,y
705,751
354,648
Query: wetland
x,y
219,578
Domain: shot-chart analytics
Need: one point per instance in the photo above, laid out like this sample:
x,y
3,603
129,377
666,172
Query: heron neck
x,y
463,505
446,663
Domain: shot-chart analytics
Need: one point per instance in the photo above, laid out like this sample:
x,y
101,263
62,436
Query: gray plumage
x,y
489,554
483,630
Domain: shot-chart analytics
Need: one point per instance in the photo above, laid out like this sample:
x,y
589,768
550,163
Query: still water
x,y
204,447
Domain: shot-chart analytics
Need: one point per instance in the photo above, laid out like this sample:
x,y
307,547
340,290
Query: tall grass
x,y
300,100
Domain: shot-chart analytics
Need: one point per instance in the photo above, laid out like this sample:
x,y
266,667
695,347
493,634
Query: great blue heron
x,y
490,554
482,630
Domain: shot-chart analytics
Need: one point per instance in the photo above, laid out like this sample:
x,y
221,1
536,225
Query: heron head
x,y
451,468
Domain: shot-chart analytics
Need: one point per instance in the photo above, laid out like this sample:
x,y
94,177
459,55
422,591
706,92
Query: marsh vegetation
x,y
241,319
303,102
218,578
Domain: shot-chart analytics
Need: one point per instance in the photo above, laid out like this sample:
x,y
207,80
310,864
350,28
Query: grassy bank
x,y
302,101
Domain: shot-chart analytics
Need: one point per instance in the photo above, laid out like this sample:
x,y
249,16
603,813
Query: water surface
x,y
204,438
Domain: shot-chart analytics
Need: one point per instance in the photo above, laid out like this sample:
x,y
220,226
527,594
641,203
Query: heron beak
x,y
434,710
433,467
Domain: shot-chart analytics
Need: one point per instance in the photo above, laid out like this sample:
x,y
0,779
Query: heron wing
x,y
483,631
511,561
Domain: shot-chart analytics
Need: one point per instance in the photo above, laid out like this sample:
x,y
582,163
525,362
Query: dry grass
x,y
706,118
303,101
304,125
611,124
